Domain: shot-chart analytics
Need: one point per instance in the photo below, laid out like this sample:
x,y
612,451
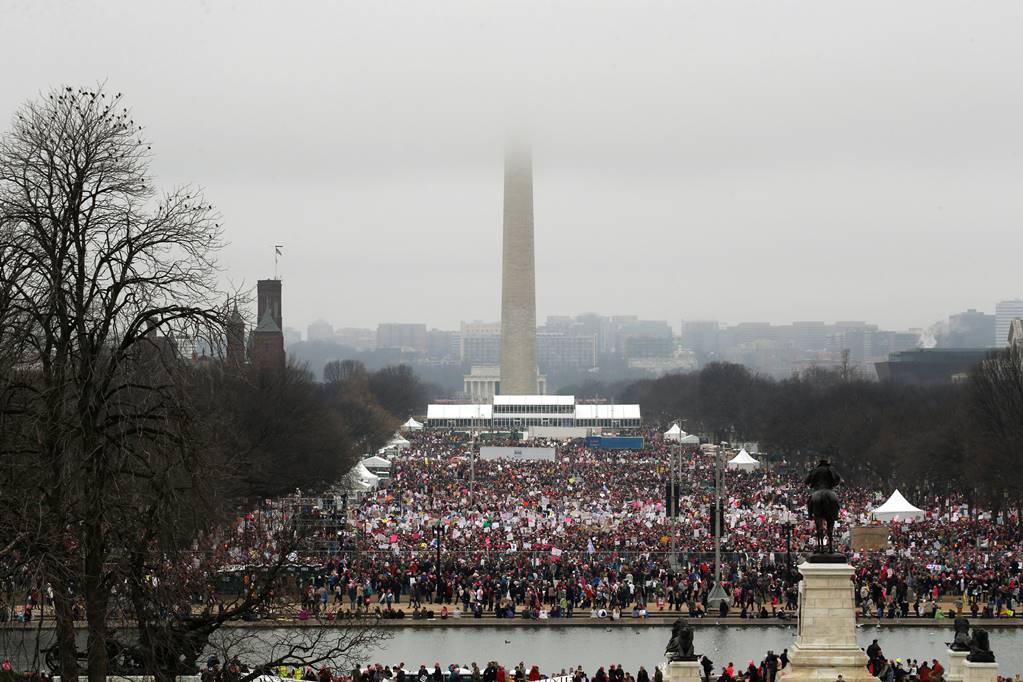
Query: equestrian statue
x,y
823,504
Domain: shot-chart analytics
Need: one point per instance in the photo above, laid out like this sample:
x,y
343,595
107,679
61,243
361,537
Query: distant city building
x,y
319,330
748,332
636,347
483,382
855,337
439,343
356,338
700,336
479,343
403,336
592,324
1005,313
560,350
810,336
929,365
682,361
970,329
885,343
291,335
1016,332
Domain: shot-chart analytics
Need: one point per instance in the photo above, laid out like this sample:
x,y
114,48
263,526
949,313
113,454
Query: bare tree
x,y
130,459
99,278
994,410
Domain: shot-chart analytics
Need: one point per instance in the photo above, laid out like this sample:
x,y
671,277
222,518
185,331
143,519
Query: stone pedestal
x,y
682,671
826,645
980,672
954,671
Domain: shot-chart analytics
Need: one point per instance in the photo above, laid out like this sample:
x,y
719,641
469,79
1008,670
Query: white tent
x,y
898,508
361,479
675,433
411,425
690,440
396,443
743,461
376,462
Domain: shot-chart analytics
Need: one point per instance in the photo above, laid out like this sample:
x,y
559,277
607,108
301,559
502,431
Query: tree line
x,y
963,438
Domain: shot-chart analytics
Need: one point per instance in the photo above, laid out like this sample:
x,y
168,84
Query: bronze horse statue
x,y
823,504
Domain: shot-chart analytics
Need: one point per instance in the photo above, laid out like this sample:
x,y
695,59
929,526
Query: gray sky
x,y
757,161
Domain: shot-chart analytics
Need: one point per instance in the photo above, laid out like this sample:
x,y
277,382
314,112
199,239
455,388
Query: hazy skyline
x,y
729,161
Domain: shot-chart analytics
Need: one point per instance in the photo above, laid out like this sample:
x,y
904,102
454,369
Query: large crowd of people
x,y
589,534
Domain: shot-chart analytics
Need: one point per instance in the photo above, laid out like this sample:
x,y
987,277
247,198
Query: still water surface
x,y
554,648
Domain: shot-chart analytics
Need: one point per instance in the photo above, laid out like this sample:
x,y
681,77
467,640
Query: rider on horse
x,y
823,476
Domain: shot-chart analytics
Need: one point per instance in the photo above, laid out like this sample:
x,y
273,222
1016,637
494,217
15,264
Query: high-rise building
x,y
1005,313
479,343
439,343
597,325
636,347
319,331
810,335
356,338
969,329
518,278
700,336
401,335
555,350
749,332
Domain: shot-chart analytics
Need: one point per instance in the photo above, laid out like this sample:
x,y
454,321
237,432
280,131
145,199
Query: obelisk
x,y
518,280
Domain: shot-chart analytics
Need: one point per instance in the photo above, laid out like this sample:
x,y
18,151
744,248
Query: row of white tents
x,y
896,508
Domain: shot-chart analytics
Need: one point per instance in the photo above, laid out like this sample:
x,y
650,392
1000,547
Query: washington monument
x,y
518,278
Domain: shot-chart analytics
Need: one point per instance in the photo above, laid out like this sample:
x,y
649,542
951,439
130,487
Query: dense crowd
x,y
589,533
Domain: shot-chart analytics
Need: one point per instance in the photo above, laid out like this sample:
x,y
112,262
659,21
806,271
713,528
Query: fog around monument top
x,y
730,161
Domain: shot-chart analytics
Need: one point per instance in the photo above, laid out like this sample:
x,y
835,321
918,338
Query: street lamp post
x,y
438,533
472,461
788,522
673,505
717,594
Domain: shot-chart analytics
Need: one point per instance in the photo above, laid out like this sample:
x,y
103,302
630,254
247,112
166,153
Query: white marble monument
x,y
518,278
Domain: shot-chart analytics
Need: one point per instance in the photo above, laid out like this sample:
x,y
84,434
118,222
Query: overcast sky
x,y
738,161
